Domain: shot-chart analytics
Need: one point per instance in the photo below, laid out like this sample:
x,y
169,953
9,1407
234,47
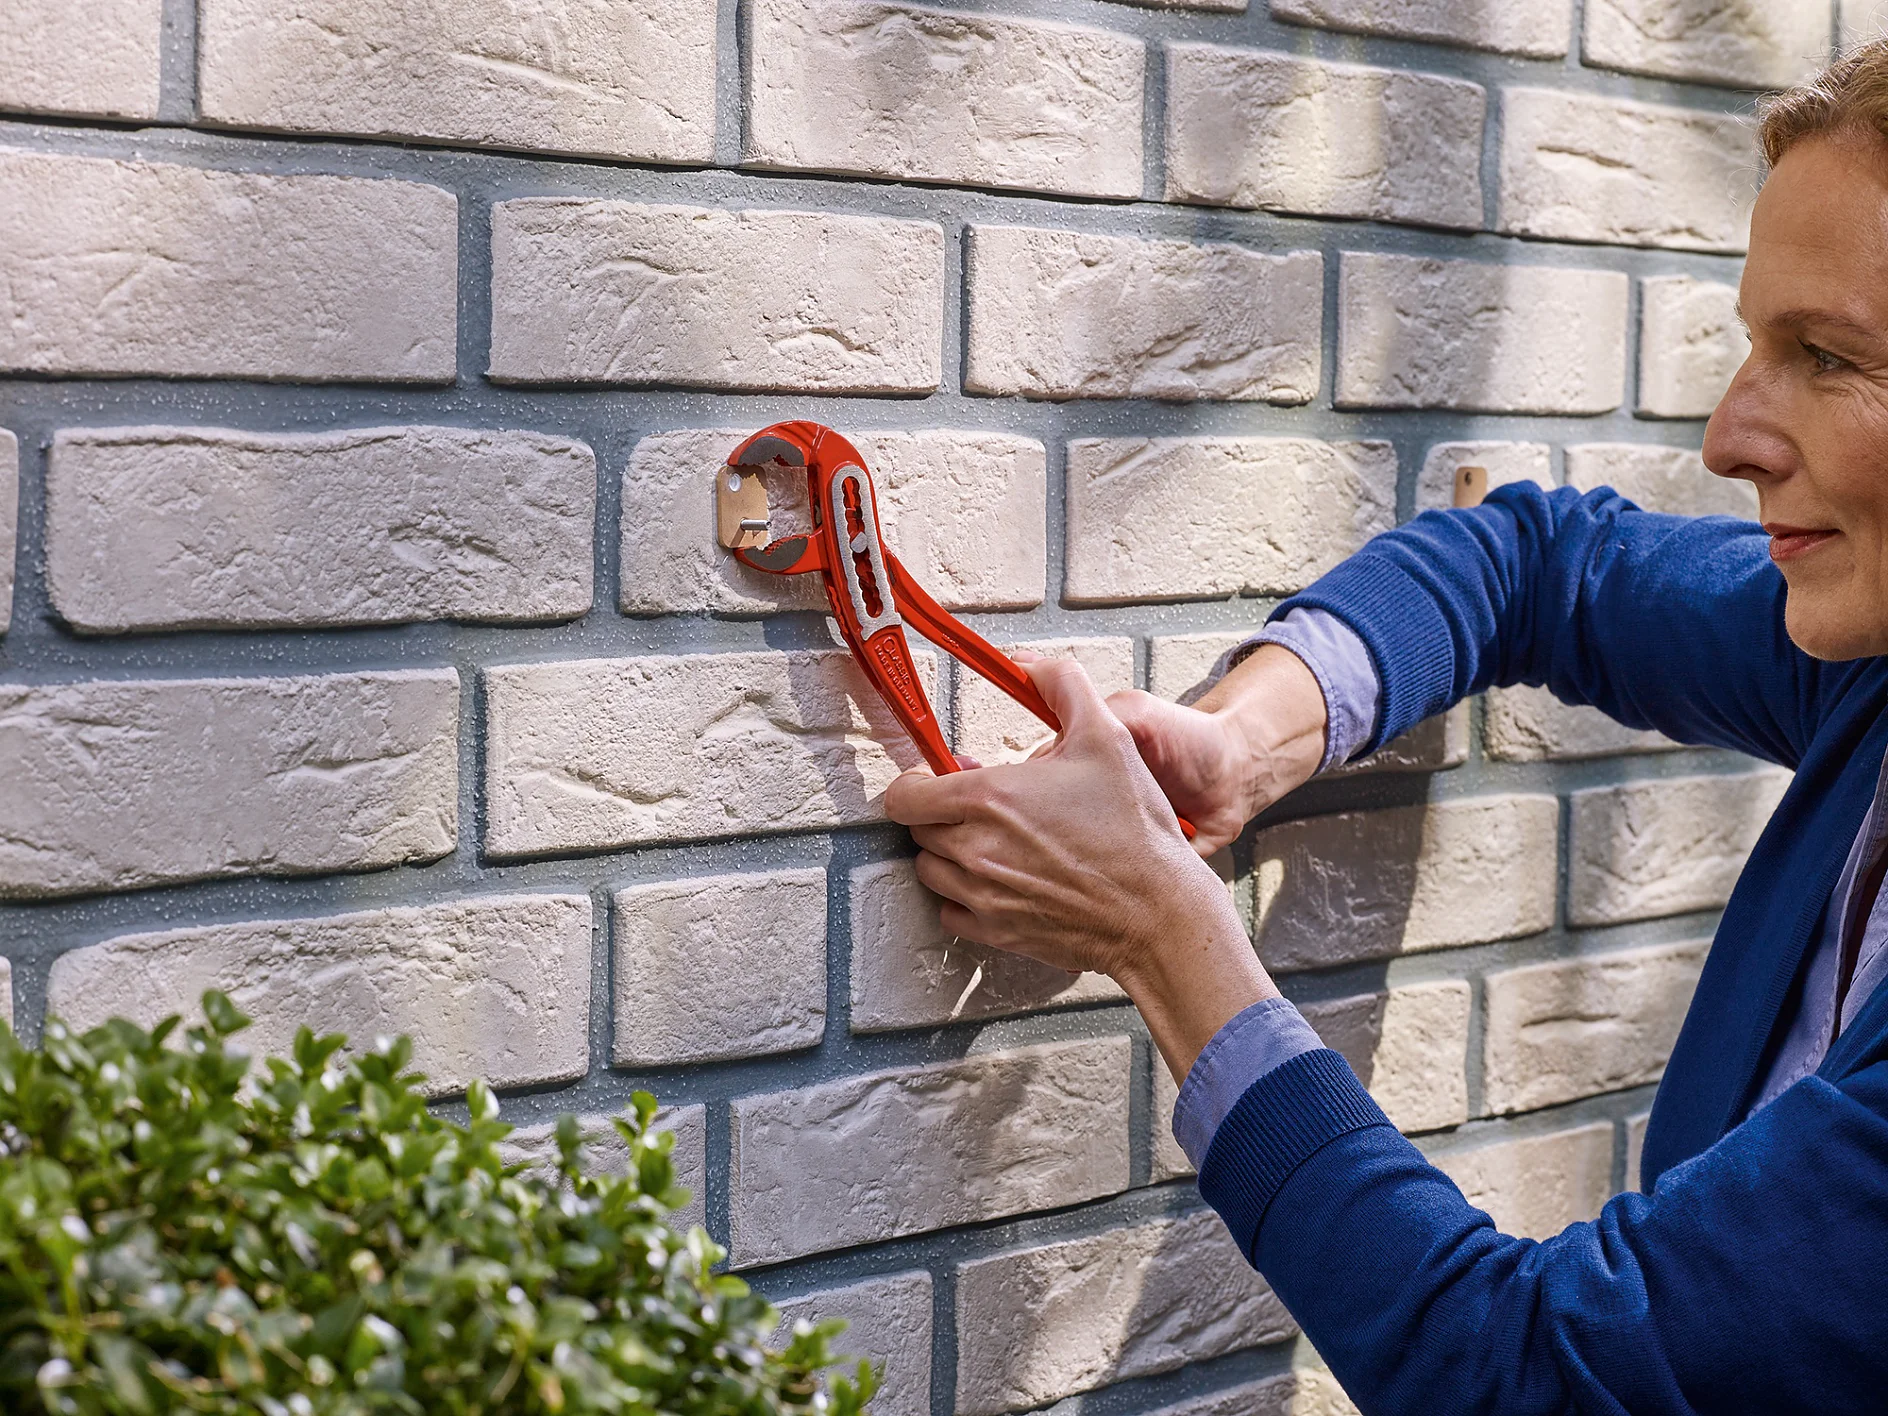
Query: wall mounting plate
x,y
741,514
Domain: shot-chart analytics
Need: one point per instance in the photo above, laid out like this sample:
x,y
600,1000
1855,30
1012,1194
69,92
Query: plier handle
x,y
873,596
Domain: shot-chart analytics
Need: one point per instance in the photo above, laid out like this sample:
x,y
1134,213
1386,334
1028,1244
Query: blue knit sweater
x,y
1753,1276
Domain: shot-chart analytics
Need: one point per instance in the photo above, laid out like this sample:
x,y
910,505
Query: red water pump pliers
x,y
872,595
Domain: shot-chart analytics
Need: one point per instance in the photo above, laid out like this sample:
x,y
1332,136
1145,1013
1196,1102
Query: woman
x,y
1753,1275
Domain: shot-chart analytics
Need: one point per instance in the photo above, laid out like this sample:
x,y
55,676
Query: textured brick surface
x,y
1863,20
1669,479
1751,43
993,727
1060,314
1420,333
1575,167
1635,1147
1202,518
871,1157
237,274
719,966
1531,725
113,785
494,986
1663,847
1536,1187
597,754
605,1152
1540,28
1504,462
1303,1393
169,528
1690,345
1248,128
1559,1031
1042,1323
81,56
1167,1161
965,512
888,1321
908,972
1408,1045
983,100
9,520
626,80
1374,884
614,292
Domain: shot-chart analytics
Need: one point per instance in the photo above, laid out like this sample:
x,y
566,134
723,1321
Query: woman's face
x,y
1806,418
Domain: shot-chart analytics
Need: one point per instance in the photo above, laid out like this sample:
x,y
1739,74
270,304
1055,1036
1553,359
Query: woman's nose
x,y
1748,436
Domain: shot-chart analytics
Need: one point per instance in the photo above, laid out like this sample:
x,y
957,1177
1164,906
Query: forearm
x,y
1272,705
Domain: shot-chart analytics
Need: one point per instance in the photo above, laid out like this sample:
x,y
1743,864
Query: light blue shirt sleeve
x,y
1341,664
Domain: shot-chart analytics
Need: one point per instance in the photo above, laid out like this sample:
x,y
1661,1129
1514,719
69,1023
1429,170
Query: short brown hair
x,y
1850,96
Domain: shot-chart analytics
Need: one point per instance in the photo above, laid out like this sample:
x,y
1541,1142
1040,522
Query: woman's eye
x,y
1825,361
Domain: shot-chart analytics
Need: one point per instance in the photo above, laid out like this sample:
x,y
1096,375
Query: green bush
x,y
319,1243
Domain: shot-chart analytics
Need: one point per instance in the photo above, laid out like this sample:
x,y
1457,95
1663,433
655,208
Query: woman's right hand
x,y
1258,734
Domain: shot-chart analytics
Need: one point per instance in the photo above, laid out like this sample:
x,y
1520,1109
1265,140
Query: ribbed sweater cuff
x,y
1400,622
1285,1118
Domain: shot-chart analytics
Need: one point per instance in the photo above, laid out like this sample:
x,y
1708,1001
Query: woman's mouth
x,y
1790,542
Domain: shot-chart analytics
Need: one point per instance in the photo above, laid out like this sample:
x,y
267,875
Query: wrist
x,y
1274,711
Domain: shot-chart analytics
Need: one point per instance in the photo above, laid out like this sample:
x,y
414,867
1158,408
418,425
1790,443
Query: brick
x,y
1668,479
494,986
1304,1393
600,754
888,1323
1745,43
1579,167
1203,518
185,528
112,267
605,1153
907,972
863,1159
1178,666
892,90
1635,1147
965,511
1691,344
628,80
120,784
1421,333
1374,884
92,57
1038,1324
1504,462
1862,20
1531,725
1663,847
1251,128
1541,29
1166,1160
993,727
9,520
1577,1027
719,966
619,293
1408,1045
1536,1187
1063,314
1224,6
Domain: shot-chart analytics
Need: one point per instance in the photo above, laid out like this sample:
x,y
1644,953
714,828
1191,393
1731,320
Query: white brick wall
x,y
321,278
623,80
596,754
615,292
1673,480
605,1153
1060,314
176,528
1690,345
965,512
1504,462
1663,847
487,986
719,966
1414,332
1748,43
1541,29
1862,20
1310,1392
868,1158
81,56
1200,518
1248,128
1575,167
1531,725
119,784
993,727
9,520
1043,1323
899,91
1535,1187
1409,1045
888,1323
